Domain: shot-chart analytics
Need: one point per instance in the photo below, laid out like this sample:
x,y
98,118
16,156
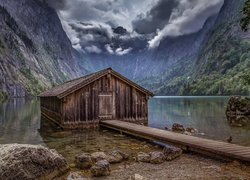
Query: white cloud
x,y
93,49
109,49
189,17
121,52
88,23
72,34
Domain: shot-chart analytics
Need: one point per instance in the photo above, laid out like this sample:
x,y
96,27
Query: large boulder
x,y
157,157
21,161
171,152
83,161
101,168
238,111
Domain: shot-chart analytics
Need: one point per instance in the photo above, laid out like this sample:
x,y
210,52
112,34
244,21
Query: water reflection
x,y
207,114
20,121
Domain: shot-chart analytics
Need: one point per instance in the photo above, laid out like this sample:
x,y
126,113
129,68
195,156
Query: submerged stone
x,y
97,156
117,156
101,168
178,127
21,161
83,161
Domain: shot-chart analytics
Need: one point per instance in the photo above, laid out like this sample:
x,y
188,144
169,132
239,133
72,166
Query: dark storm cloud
x,y
156,18
119,12
89,23
188,17
97,38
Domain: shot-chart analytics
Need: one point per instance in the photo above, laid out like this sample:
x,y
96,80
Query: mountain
x,y
222,61
141,63
35,52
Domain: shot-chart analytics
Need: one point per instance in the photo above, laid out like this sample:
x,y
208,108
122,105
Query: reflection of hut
x,y
103,95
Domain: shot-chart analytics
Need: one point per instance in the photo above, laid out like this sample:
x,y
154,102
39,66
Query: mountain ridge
x,y
221,64
36,52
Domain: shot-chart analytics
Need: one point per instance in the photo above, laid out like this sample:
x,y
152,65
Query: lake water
x,y
20,121
207,114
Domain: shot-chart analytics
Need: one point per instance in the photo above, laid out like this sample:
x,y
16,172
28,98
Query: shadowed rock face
x,y
238,111
30,162
35,52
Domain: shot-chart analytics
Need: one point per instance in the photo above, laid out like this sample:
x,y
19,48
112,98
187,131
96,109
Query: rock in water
x,y
238,111
157,157
20,161
230,139
191,130
97,156
143,157
117,156
178,127
101,168
171,152
83,161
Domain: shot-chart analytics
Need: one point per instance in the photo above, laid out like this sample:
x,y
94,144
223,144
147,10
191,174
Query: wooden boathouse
x,y
104,95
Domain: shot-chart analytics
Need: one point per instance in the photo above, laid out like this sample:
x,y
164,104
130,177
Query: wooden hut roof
x,y
68,87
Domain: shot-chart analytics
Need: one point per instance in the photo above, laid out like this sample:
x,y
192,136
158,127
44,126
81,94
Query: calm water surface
x,y
207,114
20,123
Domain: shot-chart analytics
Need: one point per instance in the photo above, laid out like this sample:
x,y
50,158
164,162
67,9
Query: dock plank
x,y
196,144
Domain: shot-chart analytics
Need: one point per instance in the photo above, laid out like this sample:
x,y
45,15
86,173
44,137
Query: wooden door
x,y
105,106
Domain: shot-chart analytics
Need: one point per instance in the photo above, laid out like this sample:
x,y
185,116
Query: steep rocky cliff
x,y
221,64
35,52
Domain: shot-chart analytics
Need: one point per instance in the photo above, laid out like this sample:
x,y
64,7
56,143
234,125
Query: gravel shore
x,y
188,166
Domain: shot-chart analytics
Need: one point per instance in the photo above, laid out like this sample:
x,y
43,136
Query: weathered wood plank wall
x,y
108,95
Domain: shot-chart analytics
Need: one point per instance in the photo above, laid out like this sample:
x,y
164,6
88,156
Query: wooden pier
x,y
217,149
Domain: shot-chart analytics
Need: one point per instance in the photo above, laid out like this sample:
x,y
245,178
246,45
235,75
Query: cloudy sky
x,y
89,23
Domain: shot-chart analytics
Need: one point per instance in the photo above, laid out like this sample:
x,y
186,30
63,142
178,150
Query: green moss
x,y
3,96
1,45
32,84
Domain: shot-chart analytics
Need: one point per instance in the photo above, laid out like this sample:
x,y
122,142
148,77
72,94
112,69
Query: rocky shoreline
x,y
23,161
20,161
